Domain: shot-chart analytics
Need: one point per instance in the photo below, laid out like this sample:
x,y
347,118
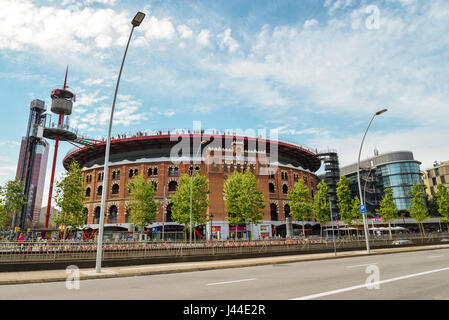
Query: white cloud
x,y
337,4
184,31
159,28
227,41
89,99
105,2
310,23
203,38
24,26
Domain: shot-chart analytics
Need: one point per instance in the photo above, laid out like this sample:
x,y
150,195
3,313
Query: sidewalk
x,y
129,271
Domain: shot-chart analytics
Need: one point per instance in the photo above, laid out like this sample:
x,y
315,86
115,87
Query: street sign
x,y
362,208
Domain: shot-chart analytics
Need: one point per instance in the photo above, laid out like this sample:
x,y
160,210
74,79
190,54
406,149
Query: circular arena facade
x,y
165,156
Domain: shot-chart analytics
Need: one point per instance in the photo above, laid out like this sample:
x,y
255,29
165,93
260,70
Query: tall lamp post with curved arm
x,y
138,18
362,200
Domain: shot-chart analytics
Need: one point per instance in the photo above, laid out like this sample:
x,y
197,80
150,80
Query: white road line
x,y
361,265
188,264
328,293
160,265
233,281
439,256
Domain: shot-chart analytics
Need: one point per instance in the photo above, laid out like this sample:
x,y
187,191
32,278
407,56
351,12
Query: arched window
x,y
99,190
88,192
97,215
271,187
112,218
168,217
170,172
287,210
155,172
136,172
172,186
155,185
176,172
115,188
273,212
118,174
130,173
113,175
284,189
150,172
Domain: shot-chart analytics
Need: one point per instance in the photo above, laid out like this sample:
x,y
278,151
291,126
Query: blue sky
x,y
316,70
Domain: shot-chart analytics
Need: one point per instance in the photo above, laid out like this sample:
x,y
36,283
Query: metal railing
x,y
54,251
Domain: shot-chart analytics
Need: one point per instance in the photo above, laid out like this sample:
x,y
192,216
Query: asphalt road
x,y
408,275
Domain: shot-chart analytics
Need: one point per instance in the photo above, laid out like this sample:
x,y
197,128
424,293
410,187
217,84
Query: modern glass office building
x,y
397,170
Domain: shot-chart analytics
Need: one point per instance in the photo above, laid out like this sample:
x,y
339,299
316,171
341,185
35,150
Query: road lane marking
x,y
361,265
226,282
161,266
328,293
439,256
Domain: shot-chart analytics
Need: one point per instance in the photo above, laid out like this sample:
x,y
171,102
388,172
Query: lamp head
x,y
138,19
381,111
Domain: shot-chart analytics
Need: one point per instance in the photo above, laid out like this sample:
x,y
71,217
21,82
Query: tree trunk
x,y
389,230
303,231
251,234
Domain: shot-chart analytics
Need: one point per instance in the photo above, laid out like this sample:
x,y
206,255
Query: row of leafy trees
x,y
350,212
243,200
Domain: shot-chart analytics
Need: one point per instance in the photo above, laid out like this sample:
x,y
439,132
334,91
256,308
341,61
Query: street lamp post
x,y
362,200
191,188
135,22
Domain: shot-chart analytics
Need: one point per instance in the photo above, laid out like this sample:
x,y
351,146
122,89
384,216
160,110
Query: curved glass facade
x,y
397,170
400,177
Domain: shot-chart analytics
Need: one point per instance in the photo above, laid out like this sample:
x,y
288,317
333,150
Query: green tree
x,y
418,210
355,211
442,200
232,189
142,207
301,205
388,210
321,206
344,202
200,202
252,200
432,206
69,198
243,201
12,199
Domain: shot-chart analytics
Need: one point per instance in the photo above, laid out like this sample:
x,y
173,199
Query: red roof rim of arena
x,y
100,147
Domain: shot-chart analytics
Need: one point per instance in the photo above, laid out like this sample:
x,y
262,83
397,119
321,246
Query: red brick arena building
x,y
164,157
